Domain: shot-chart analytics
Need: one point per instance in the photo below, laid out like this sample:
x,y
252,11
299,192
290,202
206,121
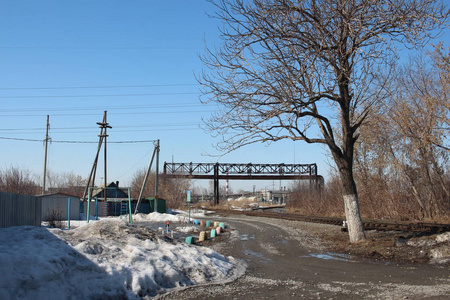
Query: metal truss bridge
x,y
231,171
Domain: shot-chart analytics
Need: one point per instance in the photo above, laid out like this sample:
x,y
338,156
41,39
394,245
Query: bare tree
x,y
403,153
66,182
173,190
307,70
419,114
18,181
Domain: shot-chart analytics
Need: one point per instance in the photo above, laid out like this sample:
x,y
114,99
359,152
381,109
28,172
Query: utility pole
x,y
45,156
156,175
91,180
155,153
104,125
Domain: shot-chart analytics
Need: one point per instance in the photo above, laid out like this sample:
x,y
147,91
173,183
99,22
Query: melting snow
x,y
104,259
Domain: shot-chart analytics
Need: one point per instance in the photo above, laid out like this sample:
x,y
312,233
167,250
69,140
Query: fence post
x,y
68,214
130,219
96,208
88,205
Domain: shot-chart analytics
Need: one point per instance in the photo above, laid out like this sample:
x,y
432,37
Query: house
x,y
116,204
113,193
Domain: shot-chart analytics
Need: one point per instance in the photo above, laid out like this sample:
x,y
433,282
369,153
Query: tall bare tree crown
x,y
287,66
309,70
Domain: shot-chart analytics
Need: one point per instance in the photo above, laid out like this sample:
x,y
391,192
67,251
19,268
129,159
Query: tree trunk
x,y
354,222
352,213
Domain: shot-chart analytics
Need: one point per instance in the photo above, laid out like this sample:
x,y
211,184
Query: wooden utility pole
x,y
156,172
102,137
155,152
45,157
104,126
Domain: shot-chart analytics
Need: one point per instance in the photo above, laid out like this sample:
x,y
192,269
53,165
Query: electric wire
x,y
134,166
90,127
98,95
127,107
78,142
99,87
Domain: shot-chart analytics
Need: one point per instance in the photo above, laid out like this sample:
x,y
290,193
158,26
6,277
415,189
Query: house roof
x,y
57,194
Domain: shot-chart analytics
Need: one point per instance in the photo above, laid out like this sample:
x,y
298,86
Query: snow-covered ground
x,y
106,259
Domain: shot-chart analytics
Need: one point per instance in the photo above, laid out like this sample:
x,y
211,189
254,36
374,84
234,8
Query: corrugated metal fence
x,y
17,210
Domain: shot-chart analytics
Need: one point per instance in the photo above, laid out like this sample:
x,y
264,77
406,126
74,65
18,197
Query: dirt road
x,y
286,261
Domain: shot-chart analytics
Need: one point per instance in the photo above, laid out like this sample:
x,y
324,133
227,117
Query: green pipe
x,y
129,207
96,208
88,205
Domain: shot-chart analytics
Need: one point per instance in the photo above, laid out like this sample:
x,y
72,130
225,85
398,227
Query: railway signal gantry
x,y
234,171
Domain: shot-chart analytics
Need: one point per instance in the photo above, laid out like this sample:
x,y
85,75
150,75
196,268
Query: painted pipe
x,y
68,214
213,233
202,236
219,230
190,240
96,208
222,225
208,223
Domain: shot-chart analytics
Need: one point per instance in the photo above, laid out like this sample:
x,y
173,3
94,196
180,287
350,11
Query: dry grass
x,y
376,202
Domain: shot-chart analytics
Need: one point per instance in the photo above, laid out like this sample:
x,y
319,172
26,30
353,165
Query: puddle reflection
x,y
329,255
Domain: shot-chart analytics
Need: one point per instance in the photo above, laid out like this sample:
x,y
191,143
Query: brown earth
x,y
390,245
396,246
299,260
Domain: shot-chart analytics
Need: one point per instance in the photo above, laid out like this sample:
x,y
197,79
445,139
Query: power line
x,y
90,127
117,113
127,107
78,142
92,96
99,87
99,48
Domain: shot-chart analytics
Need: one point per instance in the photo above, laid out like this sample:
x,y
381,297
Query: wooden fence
x,y
18,210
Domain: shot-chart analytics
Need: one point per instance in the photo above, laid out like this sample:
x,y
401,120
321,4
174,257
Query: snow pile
x,y
244,199
158,217
104,259
195,213
441,252
444,237
188,229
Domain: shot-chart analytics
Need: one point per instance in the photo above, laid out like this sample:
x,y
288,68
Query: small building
x,y
113,192
159,203
116,203
278,197
57,204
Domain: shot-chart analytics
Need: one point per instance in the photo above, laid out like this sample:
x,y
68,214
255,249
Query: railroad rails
x,y
368,224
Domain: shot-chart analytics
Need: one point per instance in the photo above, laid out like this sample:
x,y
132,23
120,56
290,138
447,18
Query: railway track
x,y
368,224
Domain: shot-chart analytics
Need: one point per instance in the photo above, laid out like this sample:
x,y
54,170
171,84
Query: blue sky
x,y
137,60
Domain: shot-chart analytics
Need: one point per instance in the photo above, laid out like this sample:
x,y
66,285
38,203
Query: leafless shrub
x,y
326,201
54,219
